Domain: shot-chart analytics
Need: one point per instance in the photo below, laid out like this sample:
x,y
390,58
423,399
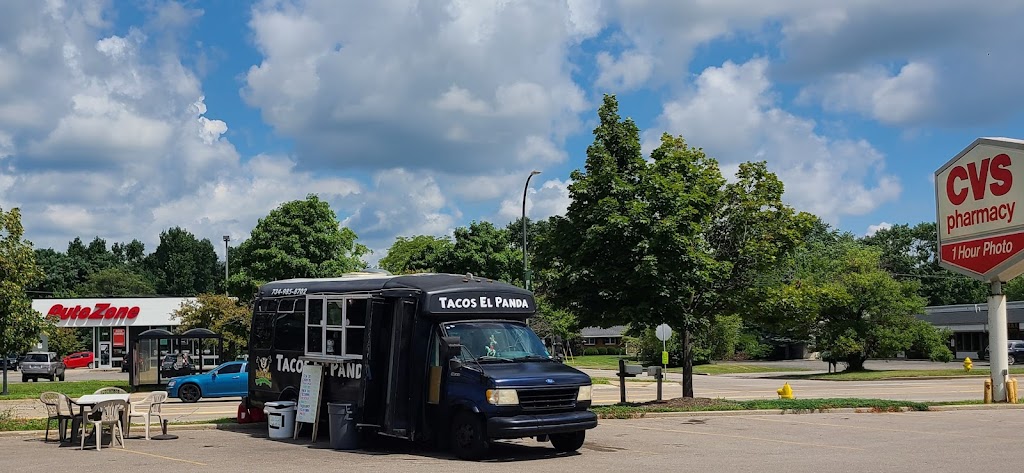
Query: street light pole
x,y
526,266
227,238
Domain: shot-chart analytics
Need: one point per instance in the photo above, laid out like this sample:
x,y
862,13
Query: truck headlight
x,y
503,397
584,393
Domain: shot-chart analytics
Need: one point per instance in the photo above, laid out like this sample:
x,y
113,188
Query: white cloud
x,y
906,97
732,113
630,70
872,229
552,198
467,85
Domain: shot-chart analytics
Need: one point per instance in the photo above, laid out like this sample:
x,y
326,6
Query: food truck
x,y
440,358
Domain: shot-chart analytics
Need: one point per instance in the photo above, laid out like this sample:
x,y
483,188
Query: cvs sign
x,y
978,194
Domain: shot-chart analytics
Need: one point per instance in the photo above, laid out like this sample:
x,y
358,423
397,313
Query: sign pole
x,y
997,351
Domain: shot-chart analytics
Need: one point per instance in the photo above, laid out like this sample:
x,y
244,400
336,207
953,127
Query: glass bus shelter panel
x,y
147,362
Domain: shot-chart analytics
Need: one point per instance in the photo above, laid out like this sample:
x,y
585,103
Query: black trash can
x,y
343,426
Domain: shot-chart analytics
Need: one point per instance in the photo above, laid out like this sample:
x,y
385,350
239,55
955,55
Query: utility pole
x,y
526,265
227,238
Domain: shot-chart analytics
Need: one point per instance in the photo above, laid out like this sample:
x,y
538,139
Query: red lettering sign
x,y
119,337
978,179
100,311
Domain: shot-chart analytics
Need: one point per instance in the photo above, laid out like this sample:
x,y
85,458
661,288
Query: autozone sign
x,y
980,210
98,311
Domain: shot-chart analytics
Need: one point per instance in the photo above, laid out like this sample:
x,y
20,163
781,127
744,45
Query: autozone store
x,y
115,322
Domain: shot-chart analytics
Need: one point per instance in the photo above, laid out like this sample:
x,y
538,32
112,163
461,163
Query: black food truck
x,y
426,357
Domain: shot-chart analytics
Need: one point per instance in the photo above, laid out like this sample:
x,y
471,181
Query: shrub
x,y
590,351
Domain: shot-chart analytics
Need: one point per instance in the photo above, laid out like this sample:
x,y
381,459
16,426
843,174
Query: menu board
x,y
309,393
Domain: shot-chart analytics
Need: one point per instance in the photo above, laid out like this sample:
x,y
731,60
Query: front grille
x,y
547,399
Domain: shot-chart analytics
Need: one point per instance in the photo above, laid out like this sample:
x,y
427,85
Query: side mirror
x,y
452,346
452,350
213,374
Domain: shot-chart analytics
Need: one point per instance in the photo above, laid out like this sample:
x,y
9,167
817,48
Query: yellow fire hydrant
x,y
785,392
968,364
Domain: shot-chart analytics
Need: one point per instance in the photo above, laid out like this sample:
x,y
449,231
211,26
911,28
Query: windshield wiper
x,y
531,357
493,358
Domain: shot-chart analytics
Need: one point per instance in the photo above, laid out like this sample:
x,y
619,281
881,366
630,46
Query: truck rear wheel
x,y
569,442
469,441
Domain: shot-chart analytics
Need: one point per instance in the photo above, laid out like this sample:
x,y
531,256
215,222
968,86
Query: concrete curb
x,y
170,428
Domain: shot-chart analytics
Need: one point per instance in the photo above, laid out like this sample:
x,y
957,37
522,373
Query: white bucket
x,y
280,418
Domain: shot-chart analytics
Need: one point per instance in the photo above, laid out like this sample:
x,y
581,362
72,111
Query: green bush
x,y
590,351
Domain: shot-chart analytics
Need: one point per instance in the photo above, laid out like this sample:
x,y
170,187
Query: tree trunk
x,y
687,364
855,362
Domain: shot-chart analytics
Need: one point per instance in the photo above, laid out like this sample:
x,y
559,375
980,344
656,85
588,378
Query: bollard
x,y
622,381
988,391
1011,391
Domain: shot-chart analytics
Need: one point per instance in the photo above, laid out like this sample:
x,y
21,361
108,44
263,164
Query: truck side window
x,y
262,328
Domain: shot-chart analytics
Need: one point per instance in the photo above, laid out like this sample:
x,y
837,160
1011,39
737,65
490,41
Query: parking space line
x,y
743,437
157,456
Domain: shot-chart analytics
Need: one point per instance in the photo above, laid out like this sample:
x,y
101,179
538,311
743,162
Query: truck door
x,y
387,404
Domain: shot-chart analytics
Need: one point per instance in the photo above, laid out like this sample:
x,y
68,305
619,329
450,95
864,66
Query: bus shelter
x,y
159,355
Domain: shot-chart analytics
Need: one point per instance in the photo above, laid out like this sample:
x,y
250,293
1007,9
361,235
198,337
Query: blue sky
x,y
122,119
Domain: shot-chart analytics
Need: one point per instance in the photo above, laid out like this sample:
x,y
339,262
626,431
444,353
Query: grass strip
x,y
72,389
611,362
634,410
870,375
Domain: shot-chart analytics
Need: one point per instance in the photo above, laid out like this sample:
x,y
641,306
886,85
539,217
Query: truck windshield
x,y
497,342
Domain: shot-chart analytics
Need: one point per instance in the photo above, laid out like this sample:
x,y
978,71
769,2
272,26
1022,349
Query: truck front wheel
x,y
569,442
469,441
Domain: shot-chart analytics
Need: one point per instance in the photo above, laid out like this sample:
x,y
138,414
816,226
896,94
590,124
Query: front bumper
x,y
540,424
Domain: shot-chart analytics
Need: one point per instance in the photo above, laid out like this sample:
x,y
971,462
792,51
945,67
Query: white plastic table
x,y
90,400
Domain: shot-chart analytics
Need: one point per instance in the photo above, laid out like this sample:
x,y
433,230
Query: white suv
x,y
41,364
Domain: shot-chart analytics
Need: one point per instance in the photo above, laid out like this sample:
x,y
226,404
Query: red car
x,y
82,359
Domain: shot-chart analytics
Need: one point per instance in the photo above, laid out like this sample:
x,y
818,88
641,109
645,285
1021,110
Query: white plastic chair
x,y
110,414
148,408
110,390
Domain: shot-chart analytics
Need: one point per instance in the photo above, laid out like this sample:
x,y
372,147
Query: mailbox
x,y
653,370
633,370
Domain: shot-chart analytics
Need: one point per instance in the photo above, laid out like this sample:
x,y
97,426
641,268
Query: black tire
x,y
1010,359
24,378
569,442
61,377
468,439
189,393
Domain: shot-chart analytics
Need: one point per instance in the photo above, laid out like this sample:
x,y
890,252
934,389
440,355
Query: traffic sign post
x,y
980,223
663,332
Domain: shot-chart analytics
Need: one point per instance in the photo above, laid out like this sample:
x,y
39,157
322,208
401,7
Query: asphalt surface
x,y
904,442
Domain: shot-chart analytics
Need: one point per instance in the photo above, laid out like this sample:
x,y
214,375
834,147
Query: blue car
x,y
227,380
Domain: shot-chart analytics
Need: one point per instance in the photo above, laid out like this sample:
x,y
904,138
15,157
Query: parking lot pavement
x,y
905,442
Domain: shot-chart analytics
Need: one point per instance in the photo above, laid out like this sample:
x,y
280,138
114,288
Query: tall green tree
x,y
415,254
298,239
182,264
20,325
60,275
484,250
665,241
219,313
115,282
912,253
840,297
62,340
